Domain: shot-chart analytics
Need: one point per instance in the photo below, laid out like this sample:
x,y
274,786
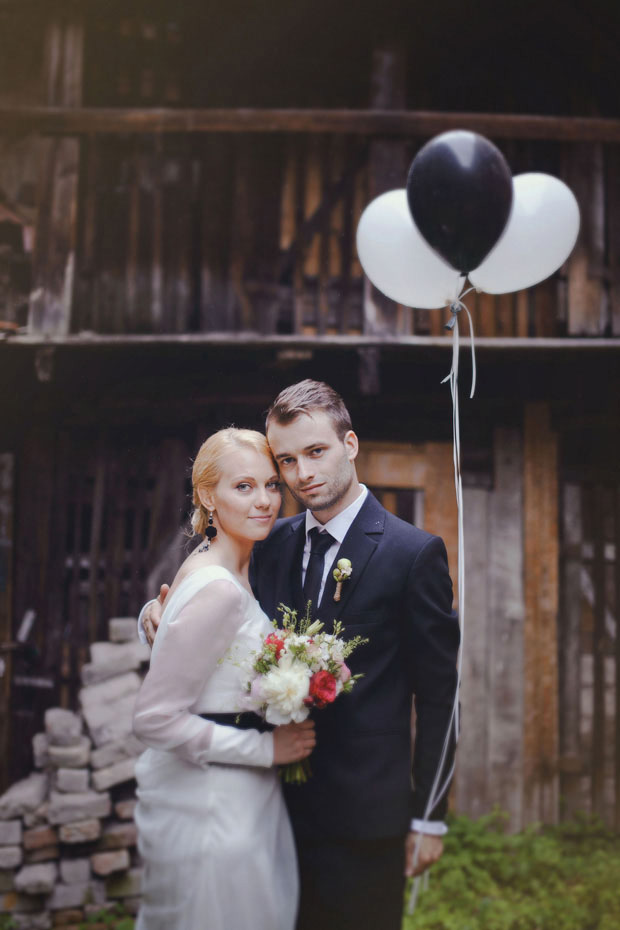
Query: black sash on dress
x,y
248,720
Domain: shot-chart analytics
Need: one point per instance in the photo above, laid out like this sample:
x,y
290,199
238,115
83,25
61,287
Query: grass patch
x,y
545,878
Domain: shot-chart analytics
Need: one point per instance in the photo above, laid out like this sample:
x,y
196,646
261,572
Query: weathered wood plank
x,y
617,660
506,613
7,467
440,512
473,795
598,656
54,258
386,170
540,718
571,760
613,231
586,298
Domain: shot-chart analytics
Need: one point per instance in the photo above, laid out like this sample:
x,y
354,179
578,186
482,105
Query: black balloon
x,y
459,190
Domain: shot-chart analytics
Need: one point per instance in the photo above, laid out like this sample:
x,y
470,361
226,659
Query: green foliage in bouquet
x,y
545,878
306,626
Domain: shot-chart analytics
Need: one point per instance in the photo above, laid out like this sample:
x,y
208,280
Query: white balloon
x,y
538,238
397,259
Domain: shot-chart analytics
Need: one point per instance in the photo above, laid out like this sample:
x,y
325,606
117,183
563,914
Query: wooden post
x,y
386,170
613,228
51,299
6,596
540,638
506,614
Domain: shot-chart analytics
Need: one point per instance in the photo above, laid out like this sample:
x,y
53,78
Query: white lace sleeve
x,y
195,640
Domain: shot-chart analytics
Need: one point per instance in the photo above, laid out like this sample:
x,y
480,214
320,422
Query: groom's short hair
x,y
305,397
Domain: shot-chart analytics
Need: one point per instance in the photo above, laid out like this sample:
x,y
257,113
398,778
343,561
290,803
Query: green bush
x,y
546,878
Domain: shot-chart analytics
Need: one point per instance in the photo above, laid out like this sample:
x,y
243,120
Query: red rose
x,y
323,688
274,640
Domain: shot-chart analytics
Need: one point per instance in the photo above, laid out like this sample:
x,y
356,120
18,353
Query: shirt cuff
x,y
430,827
141,633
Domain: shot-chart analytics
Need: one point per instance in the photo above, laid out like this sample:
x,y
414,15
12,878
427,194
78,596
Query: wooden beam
x,y
540,637
398,122
331,341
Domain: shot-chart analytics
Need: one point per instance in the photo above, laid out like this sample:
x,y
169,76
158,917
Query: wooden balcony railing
x,y
243,221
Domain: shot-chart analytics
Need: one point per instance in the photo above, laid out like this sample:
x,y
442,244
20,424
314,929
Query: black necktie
x,y
319,544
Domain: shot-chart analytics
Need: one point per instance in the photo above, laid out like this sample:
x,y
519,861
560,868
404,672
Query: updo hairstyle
x,y
206,471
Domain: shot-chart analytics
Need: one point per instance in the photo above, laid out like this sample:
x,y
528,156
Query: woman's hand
x,y
293,742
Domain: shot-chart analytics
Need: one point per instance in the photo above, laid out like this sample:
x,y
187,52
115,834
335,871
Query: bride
x,y
213,830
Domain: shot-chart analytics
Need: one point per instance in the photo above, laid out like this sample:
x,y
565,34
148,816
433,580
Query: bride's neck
x,y
232,554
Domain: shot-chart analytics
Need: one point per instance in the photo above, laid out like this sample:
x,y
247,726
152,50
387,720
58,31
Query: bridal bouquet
x,y
299,667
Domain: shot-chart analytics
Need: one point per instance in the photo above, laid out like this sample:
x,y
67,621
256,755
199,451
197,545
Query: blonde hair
x,y
206,471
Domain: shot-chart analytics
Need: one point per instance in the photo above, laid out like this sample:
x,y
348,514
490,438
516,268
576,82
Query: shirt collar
x,y
338,526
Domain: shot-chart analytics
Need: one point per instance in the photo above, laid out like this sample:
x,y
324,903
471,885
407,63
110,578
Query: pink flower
x,y
345,672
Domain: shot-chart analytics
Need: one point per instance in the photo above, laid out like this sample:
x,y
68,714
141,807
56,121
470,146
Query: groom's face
x,y
316,465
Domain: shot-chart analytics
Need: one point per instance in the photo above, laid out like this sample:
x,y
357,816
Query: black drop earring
x,y
210,534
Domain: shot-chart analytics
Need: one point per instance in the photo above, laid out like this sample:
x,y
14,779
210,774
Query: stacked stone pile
x,y
67,837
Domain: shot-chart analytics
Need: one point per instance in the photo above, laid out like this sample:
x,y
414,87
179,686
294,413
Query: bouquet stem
x,y
296,773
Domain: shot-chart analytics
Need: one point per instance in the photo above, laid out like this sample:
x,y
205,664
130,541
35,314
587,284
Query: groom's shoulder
x,y
398,531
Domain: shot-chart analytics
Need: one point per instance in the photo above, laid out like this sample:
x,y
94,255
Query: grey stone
x,y
106,863
74,780
107,692
111,753
64,896
40,745
10,857
81,831
127,885
111,659
37,879
71,757
23,797
114,775
44,854
74,871
124,809
67,808
36,818
119,836
42,920
104,653
40,837
10,832
63,727
112,722
123,629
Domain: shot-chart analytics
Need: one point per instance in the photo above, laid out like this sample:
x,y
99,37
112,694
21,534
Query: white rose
x,y
285,686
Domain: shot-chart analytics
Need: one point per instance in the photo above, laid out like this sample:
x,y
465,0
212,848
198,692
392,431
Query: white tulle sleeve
x,y
194,641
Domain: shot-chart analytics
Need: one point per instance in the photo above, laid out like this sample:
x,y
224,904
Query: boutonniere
x,y
341,573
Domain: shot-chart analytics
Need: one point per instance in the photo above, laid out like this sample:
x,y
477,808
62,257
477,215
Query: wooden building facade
x,y
177,243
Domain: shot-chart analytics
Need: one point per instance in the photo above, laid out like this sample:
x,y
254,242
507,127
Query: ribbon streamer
x,y
439,787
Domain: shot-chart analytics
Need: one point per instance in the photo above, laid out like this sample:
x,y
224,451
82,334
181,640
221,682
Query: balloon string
x,y
440,786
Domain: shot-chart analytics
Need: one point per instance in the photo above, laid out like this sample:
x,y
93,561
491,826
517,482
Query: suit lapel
x,y
358,546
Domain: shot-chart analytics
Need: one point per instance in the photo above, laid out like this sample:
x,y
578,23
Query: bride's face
x,y
246,499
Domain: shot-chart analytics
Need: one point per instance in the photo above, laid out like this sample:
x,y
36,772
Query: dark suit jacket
x,y
399,595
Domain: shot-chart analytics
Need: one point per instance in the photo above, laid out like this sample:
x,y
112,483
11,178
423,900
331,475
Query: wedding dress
x,y
213,830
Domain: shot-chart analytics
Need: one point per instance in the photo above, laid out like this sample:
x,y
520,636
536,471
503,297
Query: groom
x,y
357,819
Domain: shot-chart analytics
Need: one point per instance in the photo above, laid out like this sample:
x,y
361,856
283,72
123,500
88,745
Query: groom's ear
x,y
351,444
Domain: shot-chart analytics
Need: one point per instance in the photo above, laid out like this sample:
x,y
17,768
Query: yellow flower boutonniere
x,y
341,573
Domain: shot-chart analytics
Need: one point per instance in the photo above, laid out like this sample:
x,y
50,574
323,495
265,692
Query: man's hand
x,y
430,849
152,616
